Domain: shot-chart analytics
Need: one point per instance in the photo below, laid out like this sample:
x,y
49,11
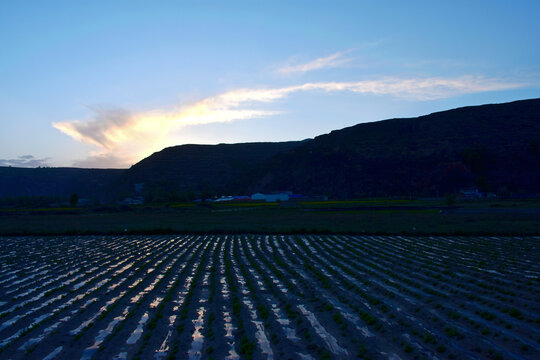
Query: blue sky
x,y
107,83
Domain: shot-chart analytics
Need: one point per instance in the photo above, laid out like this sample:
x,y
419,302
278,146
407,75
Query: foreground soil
x,y
269,297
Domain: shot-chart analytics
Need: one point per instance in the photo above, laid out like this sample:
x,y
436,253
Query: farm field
x,y
365,216
269,297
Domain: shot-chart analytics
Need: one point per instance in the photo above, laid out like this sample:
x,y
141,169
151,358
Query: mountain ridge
x,y
429,152
493,147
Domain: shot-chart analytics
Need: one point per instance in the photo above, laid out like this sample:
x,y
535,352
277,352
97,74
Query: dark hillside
x,y
60,182
493,147
193,169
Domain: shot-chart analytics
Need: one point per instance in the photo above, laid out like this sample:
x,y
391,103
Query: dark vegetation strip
x,y
386,308
226,231
285,302
363,311
453,311
389,305
254,291
71,291
246,346
179,347
194,258
472,296
84,269
307,292
182,250
186,249
445,277
446,318
213,305
125,297
80,334
448,297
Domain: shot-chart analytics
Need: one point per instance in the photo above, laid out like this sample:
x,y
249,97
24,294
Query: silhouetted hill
x,y
60,182
190,170
493,147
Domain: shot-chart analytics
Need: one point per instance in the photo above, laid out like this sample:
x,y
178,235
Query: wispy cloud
x,y
331,61
28,161
105,130
122,137
103,161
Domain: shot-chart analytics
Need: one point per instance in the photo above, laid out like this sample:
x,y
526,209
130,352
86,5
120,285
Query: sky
x,y
104,84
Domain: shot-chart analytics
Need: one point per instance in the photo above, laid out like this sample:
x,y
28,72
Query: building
x,y
470,193
284,196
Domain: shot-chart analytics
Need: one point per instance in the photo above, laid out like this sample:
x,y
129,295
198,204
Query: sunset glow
x,y
123,82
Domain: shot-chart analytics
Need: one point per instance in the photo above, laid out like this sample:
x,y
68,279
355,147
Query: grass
x,y
48,209
376,201
175,205
516,313
414,217
245,204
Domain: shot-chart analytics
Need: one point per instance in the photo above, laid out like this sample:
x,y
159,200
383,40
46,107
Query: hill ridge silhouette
x,y
493,147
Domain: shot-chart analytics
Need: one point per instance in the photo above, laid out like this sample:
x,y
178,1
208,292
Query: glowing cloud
x,y
123,138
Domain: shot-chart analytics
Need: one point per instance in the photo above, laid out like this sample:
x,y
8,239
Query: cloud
x,y
331,61
103,161
122,137
106,129
28,161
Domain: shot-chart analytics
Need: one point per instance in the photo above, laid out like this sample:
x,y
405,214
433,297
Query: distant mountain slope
x,y
62,182
494,147
198,168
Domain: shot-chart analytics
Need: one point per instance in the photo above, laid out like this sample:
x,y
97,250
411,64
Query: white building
x,y
270,197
